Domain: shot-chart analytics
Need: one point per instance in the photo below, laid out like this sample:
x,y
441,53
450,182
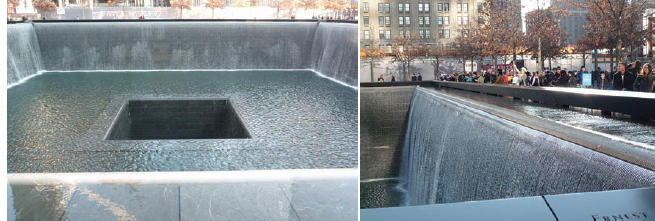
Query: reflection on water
x,y
619,125
380,193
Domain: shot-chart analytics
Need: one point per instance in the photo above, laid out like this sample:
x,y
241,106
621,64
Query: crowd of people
x,y
625,77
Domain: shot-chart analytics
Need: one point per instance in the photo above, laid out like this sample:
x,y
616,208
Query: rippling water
x,y
57,122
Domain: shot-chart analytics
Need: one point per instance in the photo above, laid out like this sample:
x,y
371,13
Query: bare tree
x,y
181,4
618,17
309,4
44,5
407,49
214,4
499,29
545,38
291,5
371,56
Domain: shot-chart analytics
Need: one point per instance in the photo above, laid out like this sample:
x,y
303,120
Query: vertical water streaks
x,y
327,48
455,153
334,52
23,57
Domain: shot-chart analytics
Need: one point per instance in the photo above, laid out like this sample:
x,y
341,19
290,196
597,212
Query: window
x,y
420,7
388,21
445,7
446,20
420,20
427,34
465,20
439,20
380,7
400,7
406,7
426,7
459,20
381,21
479,6
439,7
367,34
421,33
386,7
479,20
388,34
427,20
446,33
381,34
401,21
465,7
440,33
459,7
366,20
407,20
400,33
365,6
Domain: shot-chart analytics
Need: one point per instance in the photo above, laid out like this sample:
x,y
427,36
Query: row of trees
x,y
614,25
46,6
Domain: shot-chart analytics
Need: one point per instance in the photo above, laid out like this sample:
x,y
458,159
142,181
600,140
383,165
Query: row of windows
x,y
422,7
422,33
422,20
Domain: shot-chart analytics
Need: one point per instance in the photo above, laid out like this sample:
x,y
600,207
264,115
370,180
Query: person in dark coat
x,y
419,77
595,75
393,78
414,78
603,81
644,80
623,79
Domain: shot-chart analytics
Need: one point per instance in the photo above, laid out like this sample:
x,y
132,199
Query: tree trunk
x,y
436,75
595,59
541,64
611,60
494,62
584,59
372,75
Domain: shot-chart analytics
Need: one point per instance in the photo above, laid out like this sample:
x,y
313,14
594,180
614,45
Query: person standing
x,y
623,79
414,78
393,78
419,77
644,81
594,77
380,79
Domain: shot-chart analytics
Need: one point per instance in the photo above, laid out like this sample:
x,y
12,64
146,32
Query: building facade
x,y
436,22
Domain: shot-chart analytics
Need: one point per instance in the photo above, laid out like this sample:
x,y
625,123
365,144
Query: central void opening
x,y
177,119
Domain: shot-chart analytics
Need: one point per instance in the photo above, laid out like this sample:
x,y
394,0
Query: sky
x,y
530,5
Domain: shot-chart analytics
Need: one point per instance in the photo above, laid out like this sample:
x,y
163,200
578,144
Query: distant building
x,y
573,19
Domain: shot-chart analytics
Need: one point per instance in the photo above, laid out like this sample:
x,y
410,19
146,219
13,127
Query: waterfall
x,y
328,48
335,53
23,57
455,153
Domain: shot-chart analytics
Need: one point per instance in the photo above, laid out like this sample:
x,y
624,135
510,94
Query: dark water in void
x,y
57,122
619,125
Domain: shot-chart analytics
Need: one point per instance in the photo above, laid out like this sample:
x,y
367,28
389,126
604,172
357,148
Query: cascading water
x,y
454,153
334,52
175,45
328,48
23,57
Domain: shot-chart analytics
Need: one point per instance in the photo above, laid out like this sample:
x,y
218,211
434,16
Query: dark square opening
x,y
177,119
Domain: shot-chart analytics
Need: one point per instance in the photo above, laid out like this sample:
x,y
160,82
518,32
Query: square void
x,y
177,119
